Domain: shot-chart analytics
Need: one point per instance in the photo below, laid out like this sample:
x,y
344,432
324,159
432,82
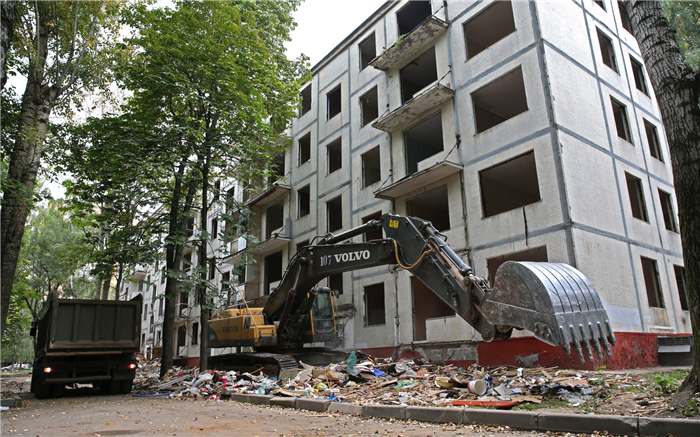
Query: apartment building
x,y
522,130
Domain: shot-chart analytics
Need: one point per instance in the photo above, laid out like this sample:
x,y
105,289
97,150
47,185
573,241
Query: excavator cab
x,y
321,325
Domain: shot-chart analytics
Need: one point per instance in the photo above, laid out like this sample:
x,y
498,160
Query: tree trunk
x,y
105,288
25,160
8,11
676,87
120,278
204,311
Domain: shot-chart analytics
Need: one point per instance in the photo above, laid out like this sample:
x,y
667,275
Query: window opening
x,y
305,100
509,185
277,169
226,288
181,336
607,52
335,283
368,51
189,226
500,100
488,27
667,209
371,167
369,106
145,311
638,73
537,254
418,74
374,305
302,244
184,302
652,283
600,3
334,214
426,305
432,206
653,140
187,262
274,218
624,17
333,103
636,193
682,289
303,201
423,141
411,15
304,144
375,234
214,228
621,121
195,333
212,268
334,156
273,271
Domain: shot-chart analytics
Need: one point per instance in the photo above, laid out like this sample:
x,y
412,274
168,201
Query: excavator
x,y
554,301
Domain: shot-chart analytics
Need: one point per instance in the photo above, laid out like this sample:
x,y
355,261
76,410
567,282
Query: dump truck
x,y
553,300
87,342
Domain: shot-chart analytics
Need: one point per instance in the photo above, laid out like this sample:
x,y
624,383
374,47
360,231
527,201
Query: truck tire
x,y
58,390
125,386
42,391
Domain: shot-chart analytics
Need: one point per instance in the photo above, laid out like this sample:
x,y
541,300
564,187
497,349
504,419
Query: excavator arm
x,y
554,301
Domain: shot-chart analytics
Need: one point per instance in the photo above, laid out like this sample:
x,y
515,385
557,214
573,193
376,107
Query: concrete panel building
x,y
522,131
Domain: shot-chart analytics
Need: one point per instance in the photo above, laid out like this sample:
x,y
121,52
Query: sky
x,y
323,24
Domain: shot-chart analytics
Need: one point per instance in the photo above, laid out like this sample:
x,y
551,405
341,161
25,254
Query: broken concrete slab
x,y
587,423
258,399
664,427
340,407
513,419
385,411
283,401
435,414
11,402
313,404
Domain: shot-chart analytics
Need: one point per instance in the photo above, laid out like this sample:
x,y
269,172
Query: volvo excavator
x,y
553,300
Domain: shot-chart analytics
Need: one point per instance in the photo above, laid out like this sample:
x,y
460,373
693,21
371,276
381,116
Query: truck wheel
x,y
125,386
42,391
58,390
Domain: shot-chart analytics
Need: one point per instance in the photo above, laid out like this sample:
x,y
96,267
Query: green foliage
x,y
684,17
666,383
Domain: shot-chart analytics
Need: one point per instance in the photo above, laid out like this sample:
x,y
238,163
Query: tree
x,y
213,77
8,11
62,48
684,18
677,88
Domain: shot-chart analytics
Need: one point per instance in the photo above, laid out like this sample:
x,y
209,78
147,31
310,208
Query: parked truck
x,y
85,341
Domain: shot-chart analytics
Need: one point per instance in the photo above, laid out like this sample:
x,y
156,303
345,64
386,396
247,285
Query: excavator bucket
x,y
554,301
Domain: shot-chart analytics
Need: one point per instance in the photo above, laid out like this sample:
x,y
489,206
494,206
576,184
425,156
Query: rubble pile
x,y
364,380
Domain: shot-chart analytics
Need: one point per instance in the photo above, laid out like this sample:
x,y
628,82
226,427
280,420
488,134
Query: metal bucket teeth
x,y
554,301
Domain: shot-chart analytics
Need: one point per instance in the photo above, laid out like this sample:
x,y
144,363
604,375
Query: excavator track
x,y
271,364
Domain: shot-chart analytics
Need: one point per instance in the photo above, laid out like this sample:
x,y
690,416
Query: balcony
x,y
427,99
270,195
411,44
277,240
418,180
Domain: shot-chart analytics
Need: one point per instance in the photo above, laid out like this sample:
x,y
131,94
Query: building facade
x,y
522,130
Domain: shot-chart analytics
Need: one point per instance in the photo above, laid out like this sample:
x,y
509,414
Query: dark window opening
x,y
163,275
607,52
681,284
305,100
369,106
333,101
537,254
426,305
488,27
335,283
212,268
302,244
277,169
303,201
509,185
432,206
501,100
181,337
667,210
636,193
226,288
423,141
195,333
214,228
145,311
368,51
374,305
624,16
304,144
371,167
274,218
418,74
240,276
653,140
230,201
413,14
374,234
334,214
638,72
187,262
184,302
189,226
652,283
217,190
334,156
273,271
621,121
600,3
